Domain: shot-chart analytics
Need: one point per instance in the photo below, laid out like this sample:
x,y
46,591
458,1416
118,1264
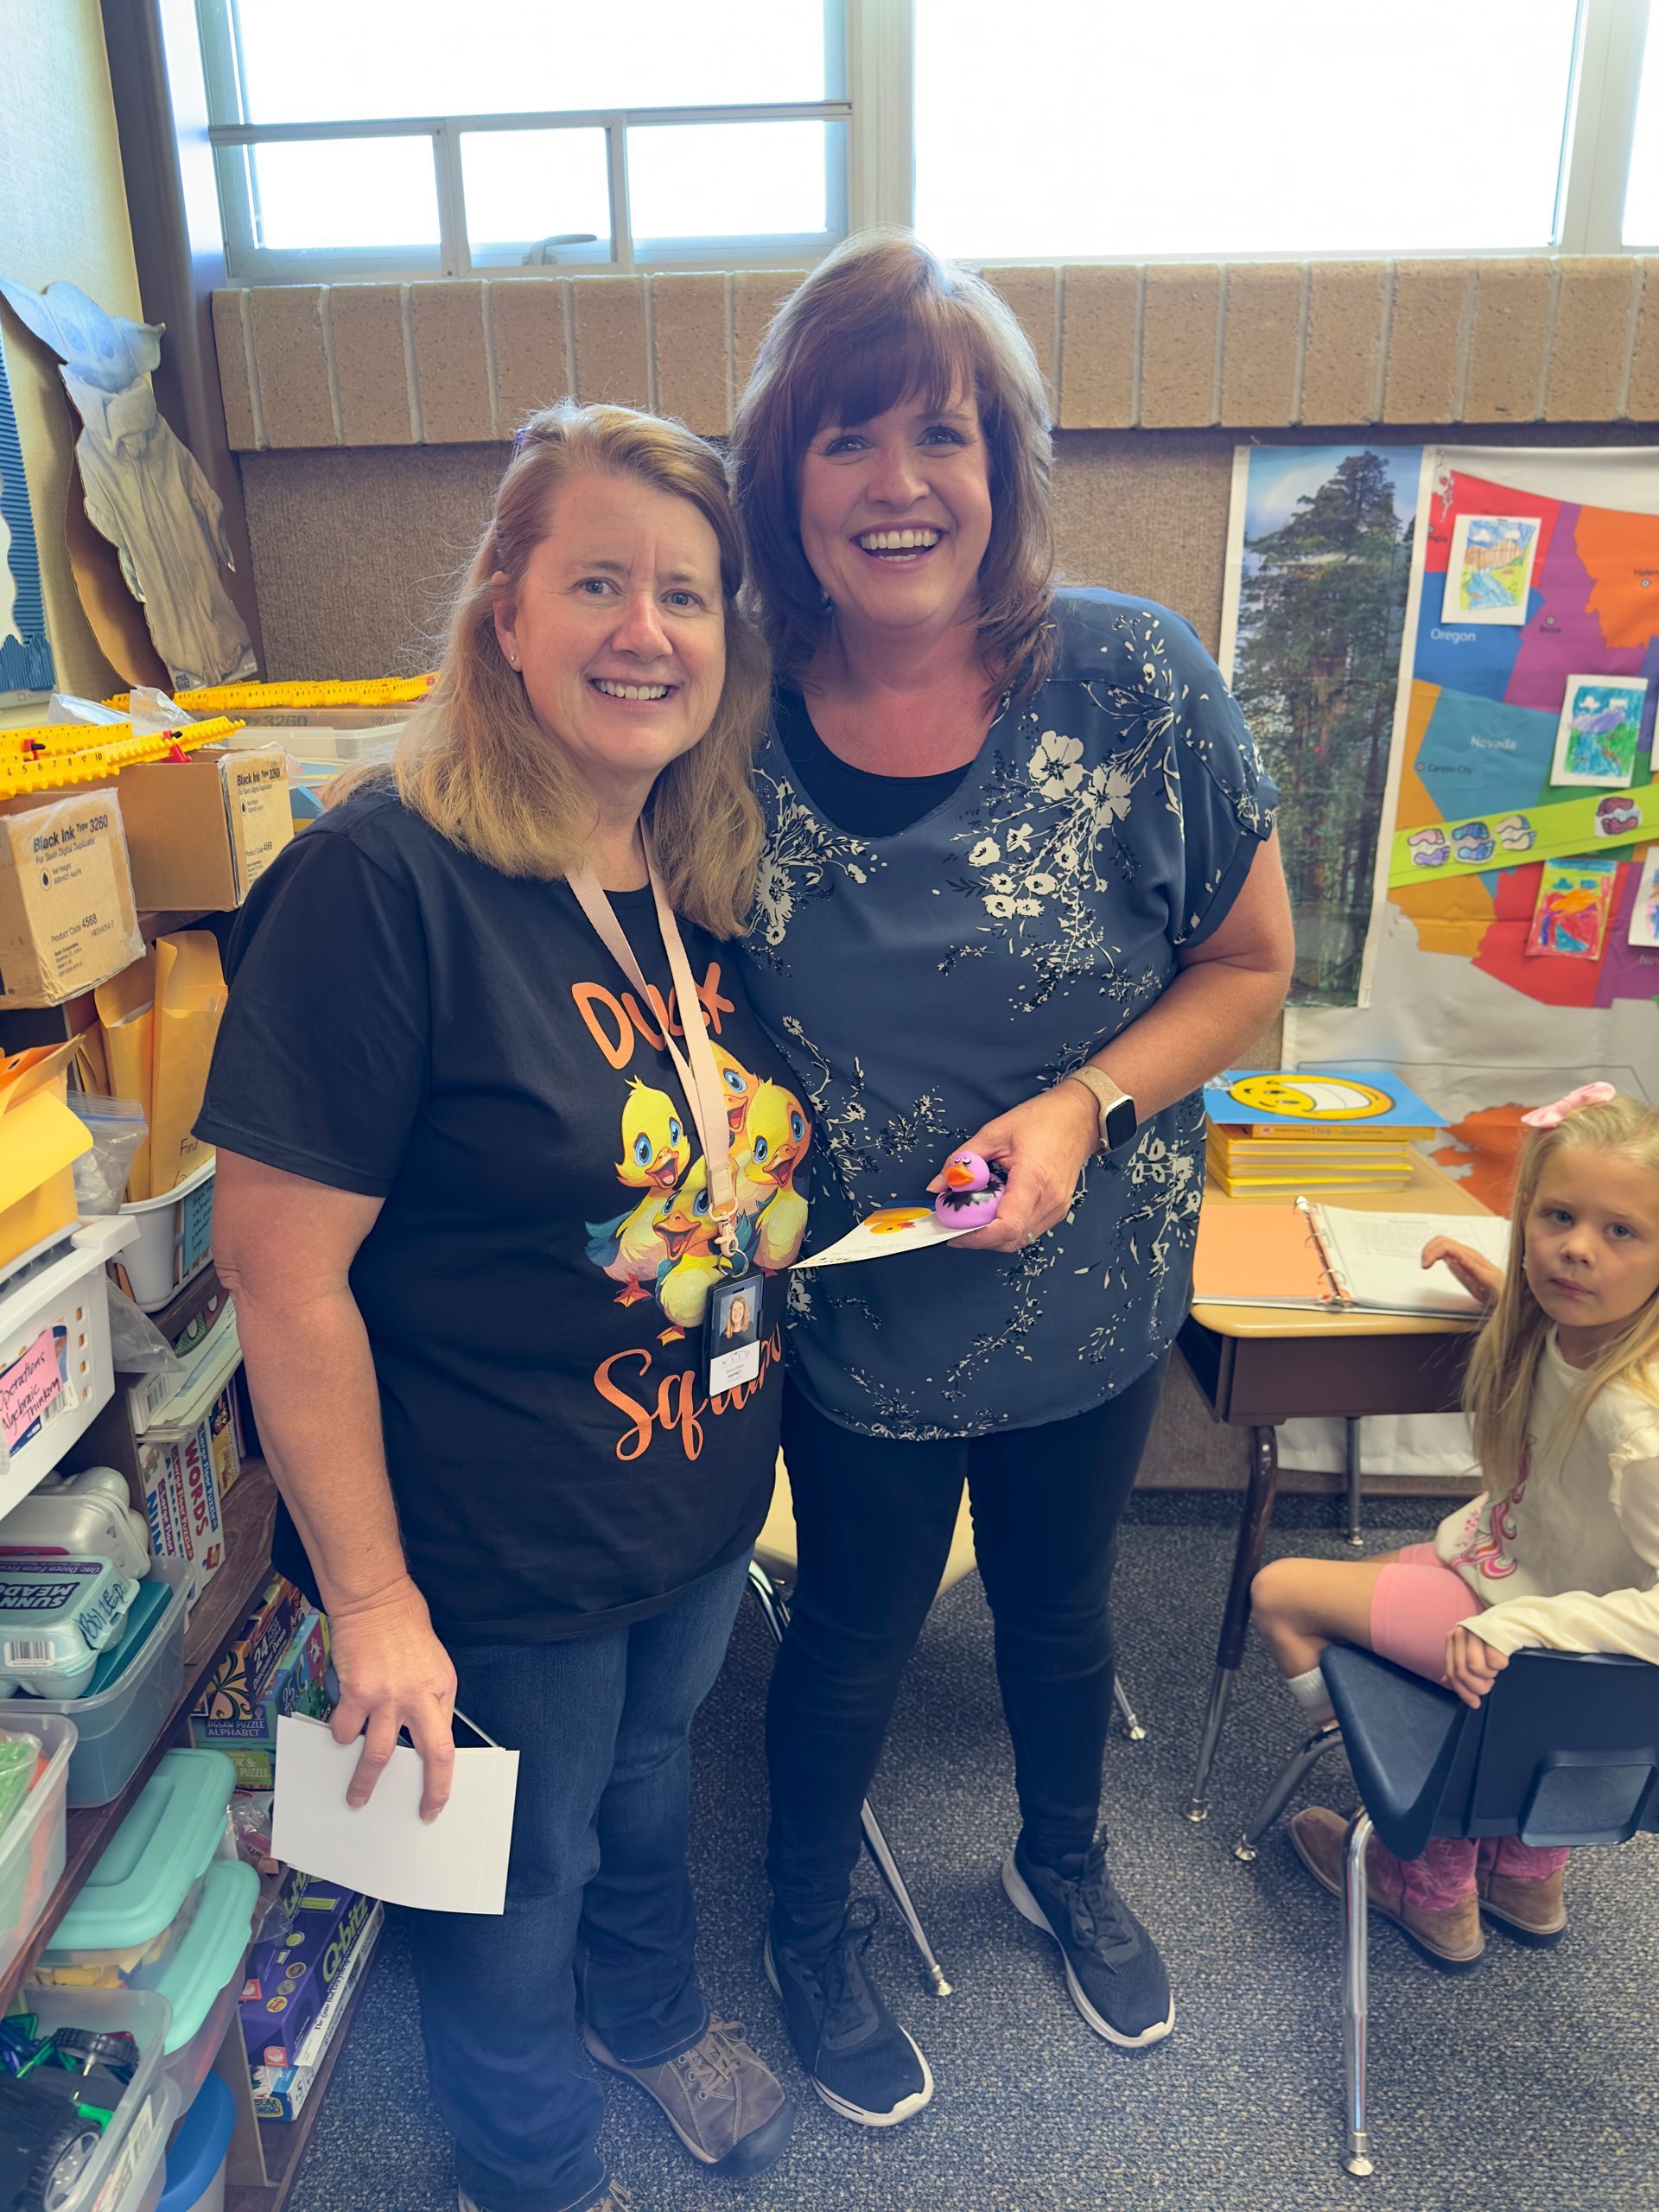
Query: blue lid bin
x,y
195,2164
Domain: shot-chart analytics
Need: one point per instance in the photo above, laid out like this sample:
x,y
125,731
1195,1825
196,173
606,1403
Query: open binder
x,y
1310,1255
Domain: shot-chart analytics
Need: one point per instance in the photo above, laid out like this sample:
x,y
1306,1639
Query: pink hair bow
x,y
1551,1117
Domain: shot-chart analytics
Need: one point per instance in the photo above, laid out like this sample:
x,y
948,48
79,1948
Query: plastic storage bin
x,y
195,2163
118,1724
66,1302
174,1240
204,1978
136,1906
123,2169
32,1844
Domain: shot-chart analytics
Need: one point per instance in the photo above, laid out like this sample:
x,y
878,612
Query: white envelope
x,y
883,1236
457,1863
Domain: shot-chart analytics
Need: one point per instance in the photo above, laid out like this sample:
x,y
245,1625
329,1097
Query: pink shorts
x,y
1415,1607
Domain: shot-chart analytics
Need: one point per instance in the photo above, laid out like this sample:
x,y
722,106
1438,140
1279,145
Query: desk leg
x,y
1355,1535
1229,1646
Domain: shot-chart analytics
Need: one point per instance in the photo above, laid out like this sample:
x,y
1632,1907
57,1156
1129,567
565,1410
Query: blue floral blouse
x,y
922,982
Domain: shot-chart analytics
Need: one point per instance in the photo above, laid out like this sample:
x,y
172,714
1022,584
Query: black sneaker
x,y
862,2063
1116,1979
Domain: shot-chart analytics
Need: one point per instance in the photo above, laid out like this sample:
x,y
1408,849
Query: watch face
x,y
1120,1123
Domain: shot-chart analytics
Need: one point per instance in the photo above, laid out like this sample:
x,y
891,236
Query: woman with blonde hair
x,y
1561,1547
475,1186
1020,896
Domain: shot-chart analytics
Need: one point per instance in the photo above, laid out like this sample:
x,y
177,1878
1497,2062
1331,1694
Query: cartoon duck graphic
x,y
655,1154
739,1087
692,1266
776,1136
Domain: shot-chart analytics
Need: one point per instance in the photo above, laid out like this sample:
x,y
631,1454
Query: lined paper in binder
x,y
1311,1255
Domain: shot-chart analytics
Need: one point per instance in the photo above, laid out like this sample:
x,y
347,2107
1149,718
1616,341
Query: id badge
x,y
731,1332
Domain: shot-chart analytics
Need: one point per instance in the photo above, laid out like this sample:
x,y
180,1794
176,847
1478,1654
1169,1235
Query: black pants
x,y
875,1519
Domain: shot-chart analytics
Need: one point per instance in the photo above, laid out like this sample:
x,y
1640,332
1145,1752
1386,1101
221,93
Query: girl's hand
x,y
394,1673
1473,1665
1473,1269
1040,1146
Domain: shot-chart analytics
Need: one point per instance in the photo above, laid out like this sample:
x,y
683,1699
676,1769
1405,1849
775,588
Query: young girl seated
x,y
1561,1549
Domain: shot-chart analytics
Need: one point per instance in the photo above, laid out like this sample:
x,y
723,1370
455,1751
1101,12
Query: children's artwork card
x,y
1601,726
1488,575
1644,914
1327,1097
882,1235
1570,919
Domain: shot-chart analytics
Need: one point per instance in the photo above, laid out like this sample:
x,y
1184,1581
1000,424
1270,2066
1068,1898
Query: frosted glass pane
x,y
361,193
732,180
1642,197
318,60
1208,127
524,186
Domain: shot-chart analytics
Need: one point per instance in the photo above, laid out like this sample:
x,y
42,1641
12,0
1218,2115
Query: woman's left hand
x,y
1040,1146
1473,1665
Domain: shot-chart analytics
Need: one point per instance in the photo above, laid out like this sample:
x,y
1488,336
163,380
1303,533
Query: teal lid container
x,y
155,1858
212,1950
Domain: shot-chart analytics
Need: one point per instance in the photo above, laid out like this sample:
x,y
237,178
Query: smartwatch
x,y
1118,1119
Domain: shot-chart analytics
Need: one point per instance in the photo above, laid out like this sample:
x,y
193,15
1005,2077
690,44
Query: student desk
x,y
1257,1365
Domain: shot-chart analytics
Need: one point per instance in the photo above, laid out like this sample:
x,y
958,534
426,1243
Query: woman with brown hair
x,y
475,1187
1020,894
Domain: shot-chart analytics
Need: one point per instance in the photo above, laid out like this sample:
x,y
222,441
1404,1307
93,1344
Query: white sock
x,y
1310,1693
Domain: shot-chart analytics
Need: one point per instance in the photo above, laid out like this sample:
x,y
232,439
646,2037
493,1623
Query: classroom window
x,y
1641,226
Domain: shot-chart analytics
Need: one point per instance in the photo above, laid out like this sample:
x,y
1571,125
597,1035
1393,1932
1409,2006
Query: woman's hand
x,y
1473,1665
394,1673
1473,1269
1040,1146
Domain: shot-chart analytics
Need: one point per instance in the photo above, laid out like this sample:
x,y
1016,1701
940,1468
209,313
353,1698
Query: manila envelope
x,y
39,1139
190,997
126,1006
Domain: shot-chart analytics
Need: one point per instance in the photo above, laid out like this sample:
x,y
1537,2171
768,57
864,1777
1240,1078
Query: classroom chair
x,y
771,1572
1563,1750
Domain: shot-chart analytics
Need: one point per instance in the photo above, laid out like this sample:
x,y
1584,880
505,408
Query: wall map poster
x,y
1318,563
1510,953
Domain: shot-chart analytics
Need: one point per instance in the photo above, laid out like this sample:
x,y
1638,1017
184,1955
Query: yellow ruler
x,y
56,754
255,698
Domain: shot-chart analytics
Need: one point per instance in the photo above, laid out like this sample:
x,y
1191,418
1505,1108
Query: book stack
x,y
1276,1135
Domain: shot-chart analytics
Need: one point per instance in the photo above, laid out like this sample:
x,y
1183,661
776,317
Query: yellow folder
x,y
40,1140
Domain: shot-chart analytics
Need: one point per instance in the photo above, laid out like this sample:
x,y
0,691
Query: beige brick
x,y
531,368
1642,405
1506,349
1178,346
757,295
1425,342
1260,342
688,325
370,371
292,361
451,368
611,359
1100,314
230,343
1593,306
1341,365
1030,293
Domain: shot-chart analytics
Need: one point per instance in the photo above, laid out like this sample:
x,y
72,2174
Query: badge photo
x,y
733,1338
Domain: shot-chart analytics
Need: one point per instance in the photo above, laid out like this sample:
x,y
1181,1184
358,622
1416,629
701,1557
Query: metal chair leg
x,y
1355,1535
774,1604
1288,1781
1235,1618
1137,1734
1355,1991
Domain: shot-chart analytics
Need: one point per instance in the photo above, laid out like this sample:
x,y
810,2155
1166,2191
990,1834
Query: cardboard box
x,y
298,1685
279,2092
201,832
245,1667
40,1140
291,1977
68,908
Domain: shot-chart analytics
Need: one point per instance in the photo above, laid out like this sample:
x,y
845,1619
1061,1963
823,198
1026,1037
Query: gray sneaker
x,y
723,2103
615,2199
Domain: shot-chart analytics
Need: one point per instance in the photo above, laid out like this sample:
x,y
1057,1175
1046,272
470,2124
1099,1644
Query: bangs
x,y
855,374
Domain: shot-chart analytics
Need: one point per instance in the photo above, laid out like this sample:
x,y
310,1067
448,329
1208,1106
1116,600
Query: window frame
x,y
872,51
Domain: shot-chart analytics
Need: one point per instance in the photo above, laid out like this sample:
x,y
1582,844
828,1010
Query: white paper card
x,y
457,1863
896,1229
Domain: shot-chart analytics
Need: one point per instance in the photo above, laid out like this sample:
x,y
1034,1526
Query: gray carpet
x,y
1530,2086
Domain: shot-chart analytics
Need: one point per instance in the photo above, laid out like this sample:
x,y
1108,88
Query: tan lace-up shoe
x,y
1450,1939
1532,1912
723,2103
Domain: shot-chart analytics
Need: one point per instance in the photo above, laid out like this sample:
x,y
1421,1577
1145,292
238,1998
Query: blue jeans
x,y
598,1869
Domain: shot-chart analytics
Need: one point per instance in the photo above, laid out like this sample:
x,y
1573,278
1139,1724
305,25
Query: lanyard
x,y
705,1093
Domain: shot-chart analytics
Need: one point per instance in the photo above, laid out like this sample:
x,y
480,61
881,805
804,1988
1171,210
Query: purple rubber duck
x,y
973,1190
